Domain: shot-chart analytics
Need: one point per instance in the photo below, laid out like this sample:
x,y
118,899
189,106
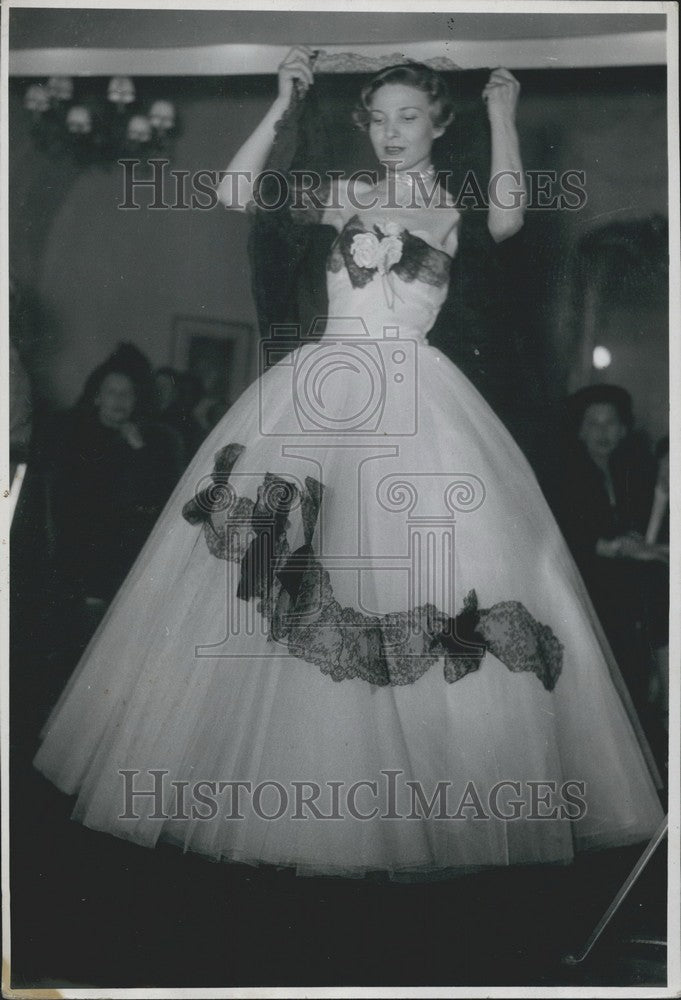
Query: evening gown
x,y
357,581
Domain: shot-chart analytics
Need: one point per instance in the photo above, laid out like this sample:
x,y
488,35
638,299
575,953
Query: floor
x,y
88,909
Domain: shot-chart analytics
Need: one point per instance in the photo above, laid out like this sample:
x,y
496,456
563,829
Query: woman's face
x,y
602,430
401,128
115,401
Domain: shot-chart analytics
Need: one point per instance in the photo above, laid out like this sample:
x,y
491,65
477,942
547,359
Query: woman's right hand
x,y
235,190
632,546
132,435
295,69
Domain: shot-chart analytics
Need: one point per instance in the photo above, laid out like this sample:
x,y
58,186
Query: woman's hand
x,y
236,187
296,71
131,434
501,95
508,194
632,546
662,483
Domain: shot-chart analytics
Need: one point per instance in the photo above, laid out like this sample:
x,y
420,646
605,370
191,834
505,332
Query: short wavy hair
x,y
410,74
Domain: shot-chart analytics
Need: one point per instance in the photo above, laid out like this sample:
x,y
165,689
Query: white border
x,y
646,48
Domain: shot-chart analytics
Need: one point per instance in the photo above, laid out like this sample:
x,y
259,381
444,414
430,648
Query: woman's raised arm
x,y
236,188
507,193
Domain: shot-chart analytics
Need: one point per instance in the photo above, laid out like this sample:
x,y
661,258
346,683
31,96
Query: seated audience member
x,y
165,380
20,393
173,410
603,504
113,468
657,589
20,410
177,394
208,411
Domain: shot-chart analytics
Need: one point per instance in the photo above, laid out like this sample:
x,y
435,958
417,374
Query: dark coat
x,y
106,497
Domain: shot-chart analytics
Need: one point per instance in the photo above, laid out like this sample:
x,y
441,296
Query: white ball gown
x,y
357,585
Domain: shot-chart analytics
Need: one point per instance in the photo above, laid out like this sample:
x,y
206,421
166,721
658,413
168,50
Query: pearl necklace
x,y
409,176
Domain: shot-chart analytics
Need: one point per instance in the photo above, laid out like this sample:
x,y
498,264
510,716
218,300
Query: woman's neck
x,y
414,187
426,171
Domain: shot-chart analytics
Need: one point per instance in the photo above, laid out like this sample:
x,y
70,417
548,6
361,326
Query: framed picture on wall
x,y
219,352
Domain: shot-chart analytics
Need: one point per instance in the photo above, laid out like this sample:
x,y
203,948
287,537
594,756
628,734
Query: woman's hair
x,y
612,395
411,74
129,361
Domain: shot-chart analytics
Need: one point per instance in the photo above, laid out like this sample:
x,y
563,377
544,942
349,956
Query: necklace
x,y
409,187
409,176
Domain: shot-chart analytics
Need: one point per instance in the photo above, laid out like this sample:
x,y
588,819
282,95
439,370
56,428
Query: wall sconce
x,y
98,121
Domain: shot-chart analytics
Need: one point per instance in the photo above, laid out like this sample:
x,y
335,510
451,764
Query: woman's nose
x,y
391,129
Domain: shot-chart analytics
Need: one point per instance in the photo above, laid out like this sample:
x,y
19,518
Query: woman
x,y
113,469
603,505
357,606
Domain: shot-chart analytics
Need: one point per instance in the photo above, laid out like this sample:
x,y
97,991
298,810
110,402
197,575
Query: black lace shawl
x,y
288,260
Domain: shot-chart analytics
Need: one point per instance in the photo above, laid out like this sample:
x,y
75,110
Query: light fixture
x,y
99,121
601,357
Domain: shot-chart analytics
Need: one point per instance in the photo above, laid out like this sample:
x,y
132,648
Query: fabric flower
x,y
365,250
379,252
390,253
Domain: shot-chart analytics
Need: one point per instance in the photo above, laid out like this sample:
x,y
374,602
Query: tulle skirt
x,y
359,739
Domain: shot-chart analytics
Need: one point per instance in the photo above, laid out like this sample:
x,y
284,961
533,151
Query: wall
x,y
100,274
621,141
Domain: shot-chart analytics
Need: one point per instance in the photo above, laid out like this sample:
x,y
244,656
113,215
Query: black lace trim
x,y
419,260
295,596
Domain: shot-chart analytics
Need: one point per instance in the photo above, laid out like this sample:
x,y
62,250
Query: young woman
x,y
355,640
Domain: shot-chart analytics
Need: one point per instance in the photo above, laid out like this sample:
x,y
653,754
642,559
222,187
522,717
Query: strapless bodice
x,y
386,276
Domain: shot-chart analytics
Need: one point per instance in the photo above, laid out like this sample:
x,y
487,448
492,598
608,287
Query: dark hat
x,y
125,360
613,395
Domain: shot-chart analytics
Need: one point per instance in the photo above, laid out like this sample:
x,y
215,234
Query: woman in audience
x,y
114,467
603,505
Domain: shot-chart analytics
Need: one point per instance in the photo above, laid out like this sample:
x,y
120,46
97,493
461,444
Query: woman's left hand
x,y
501,95
131,433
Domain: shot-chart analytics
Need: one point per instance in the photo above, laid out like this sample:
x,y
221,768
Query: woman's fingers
x,y
301,55
296,70
500,93
503,74
300,49
502,78
298,66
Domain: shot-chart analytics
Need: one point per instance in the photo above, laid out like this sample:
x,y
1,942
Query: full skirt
x,y
364,740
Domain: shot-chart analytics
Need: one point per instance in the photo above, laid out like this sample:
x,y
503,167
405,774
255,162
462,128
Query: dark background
x,y
90,909
92,274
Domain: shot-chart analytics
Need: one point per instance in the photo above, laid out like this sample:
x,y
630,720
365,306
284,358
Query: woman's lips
x,y
394,150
